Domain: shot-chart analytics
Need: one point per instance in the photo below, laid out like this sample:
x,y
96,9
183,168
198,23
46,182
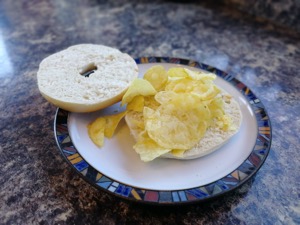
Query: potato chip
x,y
199,75
187,85
157,76
212,92
179,85
151,102
136,120
147,148
138,87
137,104
170,97
168,131
96,131
112,122
177,72
182,101
165,97
177,152
104,127
216,107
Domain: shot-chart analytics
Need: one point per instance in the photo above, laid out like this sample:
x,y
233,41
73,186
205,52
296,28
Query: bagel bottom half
x,y
213,139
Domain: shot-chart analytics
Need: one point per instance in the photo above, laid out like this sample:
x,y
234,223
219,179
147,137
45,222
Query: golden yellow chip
x,y
137,104
186,85
168,131
180,102
147,148
151,102
216,107
177,72
138,87
96,131
212,92
200,75
165,97
112,122
136,120
157,76
178,152
104,127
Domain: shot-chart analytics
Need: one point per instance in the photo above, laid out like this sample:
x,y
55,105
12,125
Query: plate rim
x,y
246,170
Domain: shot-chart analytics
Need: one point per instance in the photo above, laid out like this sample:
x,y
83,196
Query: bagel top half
x,y
86,77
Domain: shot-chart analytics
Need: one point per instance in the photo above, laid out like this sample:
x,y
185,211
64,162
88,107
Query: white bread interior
x,y
61,82
213,139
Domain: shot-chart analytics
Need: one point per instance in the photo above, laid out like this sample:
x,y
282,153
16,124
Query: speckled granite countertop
x,y
39,187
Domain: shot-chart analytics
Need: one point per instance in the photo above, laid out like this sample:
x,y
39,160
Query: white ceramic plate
x,y
116,167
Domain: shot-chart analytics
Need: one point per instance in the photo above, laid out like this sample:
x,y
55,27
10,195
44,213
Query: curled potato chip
x,y
151,102
147,148
178,152
198,83
137,104
212,92
165,97
138,87
111,123
179,85
197,75
96,131
177,72
157,76
168,131
104,127
136,120
187,85
182,101
216,107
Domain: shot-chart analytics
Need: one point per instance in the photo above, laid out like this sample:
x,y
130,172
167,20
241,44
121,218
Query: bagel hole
x,y
87,70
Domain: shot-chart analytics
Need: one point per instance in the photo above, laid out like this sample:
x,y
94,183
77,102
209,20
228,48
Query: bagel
x,y
86,77
213,139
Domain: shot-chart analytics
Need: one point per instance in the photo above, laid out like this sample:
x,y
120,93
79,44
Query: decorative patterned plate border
x,y
228,183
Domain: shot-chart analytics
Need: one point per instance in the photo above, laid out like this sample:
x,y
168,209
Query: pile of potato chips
x,y
175,107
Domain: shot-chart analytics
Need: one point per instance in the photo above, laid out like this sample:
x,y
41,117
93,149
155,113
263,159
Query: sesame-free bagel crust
x,y
61,82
